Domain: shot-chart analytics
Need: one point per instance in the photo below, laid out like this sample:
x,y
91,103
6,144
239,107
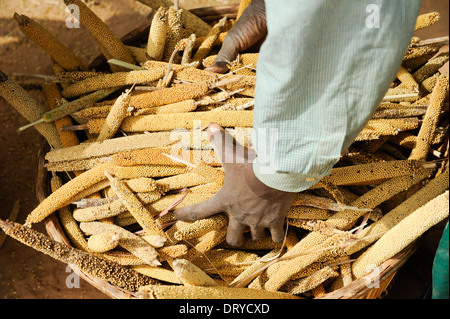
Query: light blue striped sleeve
x,y
322,71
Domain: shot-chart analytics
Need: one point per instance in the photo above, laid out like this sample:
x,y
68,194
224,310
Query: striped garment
x,y
322,71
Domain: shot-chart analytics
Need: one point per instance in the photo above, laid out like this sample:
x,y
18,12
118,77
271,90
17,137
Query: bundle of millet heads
x,y
128,146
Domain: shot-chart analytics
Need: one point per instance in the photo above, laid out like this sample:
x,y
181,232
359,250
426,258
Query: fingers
x,y
201,210
258,233
218,67
277,231
222,143
228,150
228,52
235,232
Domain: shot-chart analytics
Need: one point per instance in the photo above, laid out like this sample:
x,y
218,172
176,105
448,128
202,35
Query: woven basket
x,y
367,287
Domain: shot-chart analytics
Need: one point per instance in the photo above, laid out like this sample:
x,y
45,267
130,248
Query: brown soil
x,y
25,273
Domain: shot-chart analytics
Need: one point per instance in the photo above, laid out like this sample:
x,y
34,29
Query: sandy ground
x,y
27,274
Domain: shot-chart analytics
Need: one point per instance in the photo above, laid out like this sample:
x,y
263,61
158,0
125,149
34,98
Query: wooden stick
x,y
438,40
398,96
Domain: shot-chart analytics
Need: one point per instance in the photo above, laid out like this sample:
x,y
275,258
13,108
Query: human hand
x,y
248,30
246,200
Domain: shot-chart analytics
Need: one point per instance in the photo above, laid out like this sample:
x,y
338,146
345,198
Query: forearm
x,y
322,71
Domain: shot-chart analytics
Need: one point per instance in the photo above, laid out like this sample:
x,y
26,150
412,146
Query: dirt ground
x,y
27,274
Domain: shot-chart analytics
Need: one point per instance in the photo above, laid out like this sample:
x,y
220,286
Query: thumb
x,y
228,150
228,53
218,67
201,210
222,142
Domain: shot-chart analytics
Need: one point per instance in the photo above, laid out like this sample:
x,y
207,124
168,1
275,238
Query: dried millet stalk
x,y
167,122
189,47
195,292
424,52
174,33
53,97
109,43
156,156
207,242
181,181
28,107
68,223
112,272
108,147
110,209
219,258
155,206
81,165
188,230
371,173
103,242
191,23
430,68
342,220
209,41
64,195
110,80
57,51
279,278
403,234
244,278
305,284
303,212
75,76
429,83
136,171
129,241
135,207
157,35
426,19
376,128
407,79
178,107
158,273
170,95
399,111
115,117
434,188
431,119
191,275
